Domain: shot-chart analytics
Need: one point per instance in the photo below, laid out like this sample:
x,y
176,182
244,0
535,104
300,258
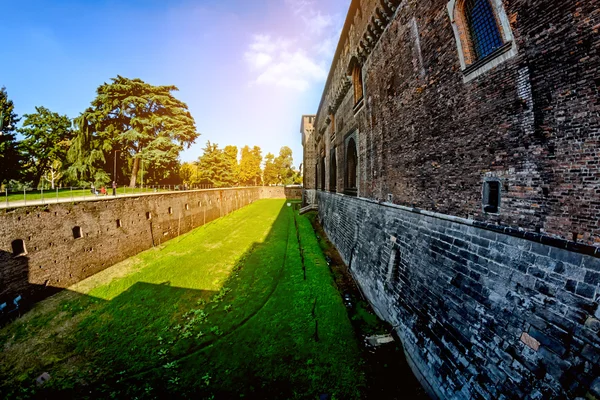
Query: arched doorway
x,y
351,168
333,172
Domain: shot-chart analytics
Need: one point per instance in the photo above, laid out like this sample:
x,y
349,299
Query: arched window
x,y
484,32
333,172
351,167
322,171
483,35
355,71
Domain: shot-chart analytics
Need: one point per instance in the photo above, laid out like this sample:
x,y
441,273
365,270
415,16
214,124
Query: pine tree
x,y
10,158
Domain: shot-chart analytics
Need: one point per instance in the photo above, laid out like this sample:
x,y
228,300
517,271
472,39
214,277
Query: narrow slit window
x,y
491,196
119,223
148,215
18,247
77,232
170,210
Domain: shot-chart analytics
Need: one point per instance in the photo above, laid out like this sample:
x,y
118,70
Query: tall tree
x,y
232,172
140,120
214,166
10,159
270,175
47,139
251,159
283,163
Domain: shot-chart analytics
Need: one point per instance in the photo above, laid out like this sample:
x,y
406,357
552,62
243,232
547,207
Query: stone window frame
x,y
470,67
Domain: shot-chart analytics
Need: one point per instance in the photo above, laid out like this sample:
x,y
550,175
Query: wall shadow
x,y
124,334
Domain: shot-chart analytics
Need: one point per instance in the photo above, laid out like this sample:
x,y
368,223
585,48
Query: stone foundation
x,y
481,314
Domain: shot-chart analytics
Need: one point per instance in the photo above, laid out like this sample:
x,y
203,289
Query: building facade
x,y
455,163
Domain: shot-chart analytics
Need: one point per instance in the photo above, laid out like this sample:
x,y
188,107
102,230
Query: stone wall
x,y
428,137
46,248
481,313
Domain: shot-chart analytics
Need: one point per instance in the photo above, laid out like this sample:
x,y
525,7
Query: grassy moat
x,y
233,309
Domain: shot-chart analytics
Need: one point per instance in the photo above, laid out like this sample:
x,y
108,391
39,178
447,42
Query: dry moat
x,y
253,305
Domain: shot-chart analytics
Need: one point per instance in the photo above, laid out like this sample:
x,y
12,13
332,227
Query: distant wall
x,y
111,230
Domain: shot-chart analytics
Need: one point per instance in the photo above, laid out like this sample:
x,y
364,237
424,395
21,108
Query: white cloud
x,y
295,64
278,66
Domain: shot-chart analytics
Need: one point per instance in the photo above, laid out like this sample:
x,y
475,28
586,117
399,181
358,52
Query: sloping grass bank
x,y
224,311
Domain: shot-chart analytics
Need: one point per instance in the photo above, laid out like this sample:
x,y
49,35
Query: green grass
x,y
223,311
52,194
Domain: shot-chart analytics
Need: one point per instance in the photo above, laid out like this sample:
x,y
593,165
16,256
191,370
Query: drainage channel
x,y
388,374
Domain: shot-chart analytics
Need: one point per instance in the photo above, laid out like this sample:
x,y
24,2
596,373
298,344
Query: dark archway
x,y
322,171
351,168
333,172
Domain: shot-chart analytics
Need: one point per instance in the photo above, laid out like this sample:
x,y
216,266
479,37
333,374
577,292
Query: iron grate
x,y
485,34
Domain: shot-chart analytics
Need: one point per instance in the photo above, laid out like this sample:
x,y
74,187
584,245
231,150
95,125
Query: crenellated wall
x,y
110,231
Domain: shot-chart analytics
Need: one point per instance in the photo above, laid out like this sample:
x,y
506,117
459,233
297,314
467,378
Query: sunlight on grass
x,y
223,311
201,259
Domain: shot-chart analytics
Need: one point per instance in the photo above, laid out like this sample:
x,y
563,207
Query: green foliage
x,y
279,170
48,137
250,172
10,158
217,166
270,175
139,120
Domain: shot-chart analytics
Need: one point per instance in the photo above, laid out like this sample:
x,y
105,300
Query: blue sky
x,y
248,69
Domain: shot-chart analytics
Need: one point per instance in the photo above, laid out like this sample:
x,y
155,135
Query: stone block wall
x,y
46,248
481,314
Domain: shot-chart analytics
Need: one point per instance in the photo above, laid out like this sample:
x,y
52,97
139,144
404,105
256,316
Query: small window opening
x,y
148,215
119,223
170,210
187,206
394,266
357,82
18,247
77,233
491,196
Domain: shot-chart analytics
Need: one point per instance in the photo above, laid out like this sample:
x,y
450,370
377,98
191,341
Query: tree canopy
x,y
47,139
135,119
10,158
250,172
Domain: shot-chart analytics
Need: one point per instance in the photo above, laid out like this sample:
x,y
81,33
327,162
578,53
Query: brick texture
x,y
481,314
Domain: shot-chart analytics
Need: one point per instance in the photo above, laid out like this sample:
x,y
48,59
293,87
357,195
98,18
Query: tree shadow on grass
x,y
256,340
104,343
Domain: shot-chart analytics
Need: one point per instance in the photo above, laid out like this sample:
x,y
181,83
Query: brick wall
x,y
428,138
111,231
481,314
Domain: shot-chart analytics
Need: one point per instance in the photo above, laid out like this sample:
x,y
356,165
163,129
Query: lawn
x,y
230,310
53,194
